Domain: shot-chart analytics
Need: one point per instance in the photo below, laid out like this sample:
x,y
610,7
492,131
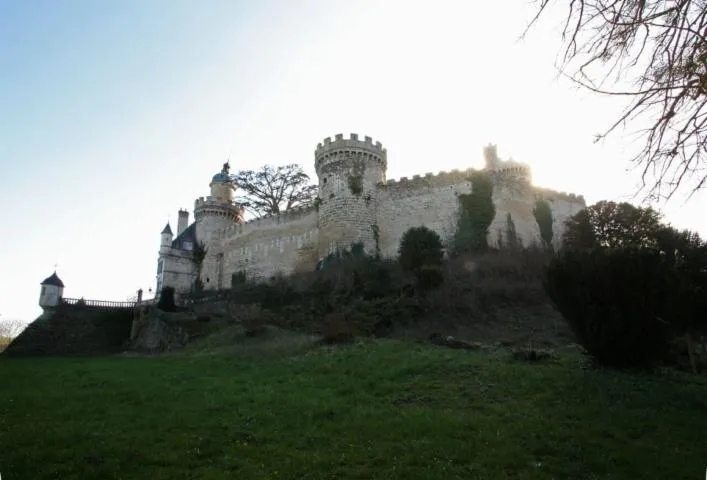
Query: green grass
x,y
370,410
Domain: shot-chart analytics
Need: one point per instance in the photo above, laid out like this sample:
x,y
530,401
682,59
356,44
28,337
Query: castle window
x,y
325,179
187,246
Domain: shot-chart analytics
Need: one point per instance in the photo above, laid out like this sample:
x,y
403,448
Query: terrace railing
x,y
97,303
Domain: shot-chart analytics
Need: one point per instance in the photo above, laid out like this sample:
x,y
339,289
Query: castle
x,y
355,204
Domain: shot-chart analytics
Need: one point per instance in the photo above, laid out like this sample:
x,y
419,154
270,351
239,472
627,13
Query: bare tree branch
x,y
659,47
272,190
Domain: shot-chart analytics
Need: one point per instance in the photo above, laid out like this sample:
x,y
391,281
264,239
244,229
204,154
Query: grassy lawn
x,y
370,410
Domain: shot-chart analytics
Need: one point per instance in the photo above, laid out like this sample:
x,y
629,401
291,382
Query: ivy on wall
x,y
377,239
512,240
476,213
543,216
355,178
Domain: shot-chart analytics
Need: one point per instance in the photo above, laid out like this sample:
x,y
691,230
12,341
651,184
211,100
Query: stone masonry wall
x,y
285,243
291,242
429,201
178,270
519,202
432,201
563,206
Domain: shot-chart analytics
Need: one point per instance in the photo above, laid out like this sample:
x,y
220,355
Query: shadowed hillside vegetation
x,y
74,330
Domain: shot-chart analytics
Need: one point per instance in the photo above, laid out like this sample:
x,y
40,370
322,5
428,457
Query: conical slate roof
x,y
167,229
53,280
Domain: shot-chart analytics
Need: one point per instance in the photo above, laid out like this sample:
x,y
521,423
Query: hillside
x,y
74,330
374,409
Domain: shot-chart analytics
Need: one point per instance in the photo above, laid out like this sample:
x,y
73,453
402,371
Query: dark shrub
x,y
255,326
420,246
166,302
614,301
238,278
337,330
429,277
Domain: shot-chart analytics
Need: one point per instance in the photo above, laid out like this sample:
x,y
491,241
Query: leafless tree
x,y
659,49
9,329
272,190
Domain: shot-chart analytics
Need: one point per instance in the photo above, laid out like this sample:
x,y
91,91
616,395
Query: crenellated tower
x,y
219,210
213,215
348,171
504,171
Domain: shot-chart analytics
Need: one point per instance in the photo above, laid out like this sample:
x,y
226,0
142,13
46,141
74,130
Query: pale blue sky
x,y
115,114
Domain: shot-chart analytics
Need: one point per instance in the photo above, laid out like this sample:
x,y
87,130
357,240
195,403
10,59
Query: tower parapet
x,y
329,151
213,206
505,169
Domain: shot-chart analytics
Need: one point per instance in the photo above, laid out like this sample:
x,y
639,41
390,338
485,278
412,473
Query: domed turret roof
x,y
224,175
53,280
221,178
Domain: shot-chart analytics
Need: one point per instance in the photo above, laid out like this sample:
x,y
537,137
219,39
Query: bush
x,y
614,301
254,326
429,277
166,302
337,330
420,246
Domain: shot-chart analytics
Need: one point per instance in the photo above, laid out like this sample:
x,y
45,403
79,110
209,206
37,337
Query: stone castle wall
x,y
429,200
265,247
296,240
178,270
563,206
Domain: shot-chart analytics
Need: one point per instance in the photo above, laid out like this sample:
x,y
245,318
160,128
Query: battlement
x,y
269,221
351,144
211,201
440,179
551,195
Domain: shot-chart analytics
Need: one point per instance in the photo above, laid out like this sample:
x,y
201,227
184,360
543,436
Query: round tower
x,y
217,211
349,171
51,293
213,215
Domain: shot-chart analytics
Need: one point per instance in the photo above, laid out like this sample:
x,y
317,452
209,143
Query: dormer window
x,y
187,246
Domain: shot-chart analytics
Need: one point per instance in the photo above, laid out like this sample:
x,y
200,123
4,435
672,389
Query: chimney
x,y
182,222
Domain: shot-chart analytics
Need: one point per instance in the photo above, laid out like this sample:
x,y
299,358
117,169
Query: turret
x,y
51,293
349,171
217,211
506,169
166,237
213,215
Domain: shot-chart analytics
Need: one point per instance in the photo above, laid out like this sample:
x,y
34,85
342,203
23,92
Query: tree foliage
x,y
660,48
543,217
272,190
611,224
476,213
198,255
687,253
420,246
615,302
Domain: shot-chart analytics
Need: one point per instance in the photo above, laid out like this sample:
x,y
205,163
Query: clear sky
x,y
113,115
